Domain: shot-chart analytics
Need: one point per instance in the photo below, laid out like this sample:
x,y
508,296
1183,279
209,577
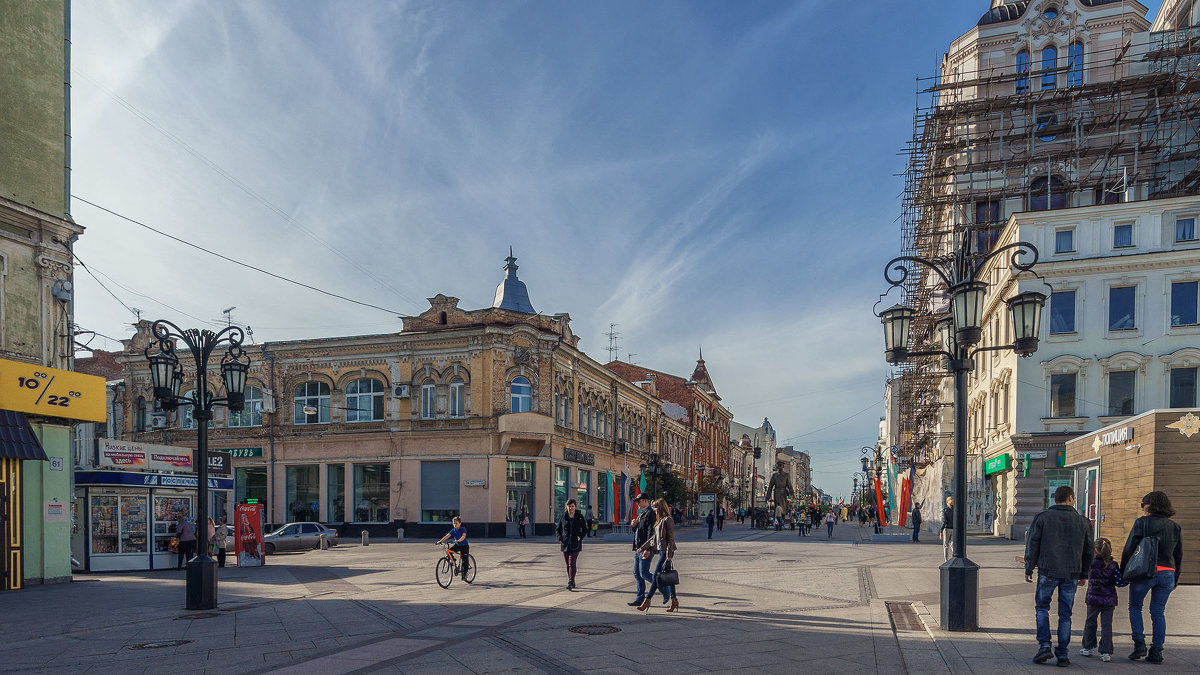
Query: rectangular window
x,y
1123,235
458,398
1062,312
1183,387
439,491
1062,395
303,493
372,498
1183,303
250,483
1064,241
582,494
335,492
428,401
1120,392
1185,229
1121,301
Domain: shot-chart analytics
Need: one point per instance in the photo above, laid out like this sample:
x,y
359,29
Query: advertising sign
x,y
248,535
708,502
242,453
218,463
997,464
114,454
37,390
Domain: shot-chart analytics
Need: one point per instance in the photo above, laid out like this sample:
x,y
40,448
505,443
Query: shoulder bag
x,y
667,576
1143,564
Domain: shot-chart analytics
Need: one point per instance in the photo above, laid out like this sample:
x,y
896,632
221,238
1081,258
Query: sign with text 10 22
x,y
37,390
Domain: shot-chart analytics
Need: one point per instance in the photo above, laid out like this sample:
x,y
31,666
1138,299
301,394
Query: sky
x,y
712,175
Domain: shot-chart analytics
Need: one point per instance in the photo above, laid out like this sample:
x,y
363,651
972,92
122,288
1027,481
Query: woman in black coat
x,y
1155,522
571,529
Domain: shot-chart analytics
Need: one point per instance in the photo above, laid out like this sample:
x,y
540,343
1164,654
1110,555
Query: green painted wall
x,y
33,119
48,542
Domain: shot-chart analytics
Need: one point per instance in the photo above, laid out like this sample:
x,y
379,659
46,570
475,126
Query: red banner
x,y
248,535
879,505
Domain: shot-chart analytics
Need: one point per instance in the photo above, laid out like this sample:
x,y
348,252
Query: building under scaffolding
x,y
1071,104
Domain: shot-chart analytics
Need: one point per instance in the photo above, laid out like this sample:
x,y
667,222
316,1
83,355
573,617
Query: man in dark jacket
x,y
1061,545
916,520
643,529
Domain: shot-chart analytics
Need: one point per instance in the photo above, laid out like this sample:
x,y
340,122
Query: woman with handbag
x,y
663,541
1150,563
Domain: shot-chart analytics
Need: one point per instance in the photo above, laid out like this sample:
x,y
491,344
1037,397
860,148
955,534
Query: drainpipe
x,y
271,437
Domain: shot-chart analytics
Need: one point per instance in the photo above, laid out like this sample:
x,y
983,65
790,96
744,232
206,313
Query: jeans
x,y
1066,601
829,526
572,560
668,592
641,572
917,533
710,530
1102,614
1159,587
948,543
186,550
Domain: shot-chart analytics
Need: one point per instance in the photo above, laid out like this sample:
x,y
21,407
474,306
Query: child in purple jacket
x,y
1103,581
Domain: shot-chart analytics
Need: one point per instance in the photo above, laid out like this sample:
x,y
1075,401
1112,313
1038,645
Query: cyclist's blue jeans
x,y
1066,602
1159,587
641,572
668,592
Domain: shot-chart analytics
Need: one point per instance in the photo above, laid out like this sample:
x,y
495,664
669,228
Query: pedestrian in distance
x,y
1161,573
662,542
590,519
187,541
222,539
1101,599
458,536
571,529
711,521
643,529
814,518
741,515
720,518
946,534
830,520
522,521
916,521
212,537
1062,548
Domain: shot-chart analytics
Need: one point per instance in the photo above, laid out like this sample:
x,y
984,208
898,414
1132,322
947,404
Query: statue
x,y
780,489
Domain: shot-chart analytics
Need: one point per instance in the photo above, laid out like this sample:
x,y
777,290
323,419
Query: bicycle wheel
x,y
470,578
444,572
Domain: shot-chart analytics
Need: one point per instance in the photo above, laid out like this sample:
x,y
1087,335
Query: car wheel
x,y
270,548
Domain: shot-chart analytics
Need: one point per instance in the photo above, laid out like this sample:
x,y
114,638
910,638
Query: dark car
x,y
299,537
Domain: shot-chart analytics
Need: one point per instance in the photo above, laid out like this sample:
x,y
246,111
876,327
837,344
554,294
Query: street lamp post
x,y
167,376
655,465
959,331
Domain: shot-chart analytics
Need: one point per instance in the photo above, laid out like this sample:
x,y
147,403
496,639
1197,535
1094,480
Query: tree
x,y
670,487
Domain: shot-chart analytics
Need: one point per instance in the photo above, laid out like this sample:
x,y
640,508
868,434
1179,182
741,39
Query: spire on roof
x,y
511,293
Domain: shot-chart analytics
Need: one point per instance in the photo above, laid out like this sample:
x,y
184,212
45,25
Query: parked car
x,y
299,537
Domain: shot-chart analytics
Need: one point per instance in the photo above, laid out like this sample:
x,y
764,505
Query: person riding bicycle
x,y
459,538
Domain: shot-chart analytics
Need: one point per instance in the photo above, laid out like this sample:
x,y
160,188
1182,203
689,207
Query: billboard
x,y
248,535
115,454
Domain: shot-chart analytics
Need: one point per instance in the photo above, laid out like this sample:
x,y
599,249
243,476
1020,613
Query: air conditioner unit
x,y
400,391
268,403
158,420
623,447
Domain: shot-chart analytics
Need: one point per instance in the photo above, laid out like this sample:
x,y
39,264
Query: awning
x,y
16,438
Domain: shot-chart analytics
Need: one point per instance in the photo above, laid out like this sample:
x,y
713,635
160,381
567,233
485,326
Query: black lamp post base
x,y
201,583
960,595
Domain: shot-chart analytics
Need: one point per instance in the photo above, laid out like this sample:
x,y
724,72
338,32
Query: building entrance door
x,y
11,569
518,503
1089,498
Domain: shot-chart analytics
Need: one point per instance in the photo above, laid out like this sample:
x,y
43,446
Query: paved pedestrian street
x,y
751,601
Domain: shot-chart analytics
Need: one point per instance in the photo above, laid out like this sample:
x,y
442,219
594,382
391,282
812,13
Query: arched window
x,y
364,401
458,397
315,397
1047,195
1022,72
520,395
1049,68
1075,65
139,422
428,400
251,415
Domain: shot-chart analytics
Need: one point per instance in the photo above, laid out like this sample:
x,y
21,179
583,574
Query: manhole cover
x,y
162,644
199,615
594,629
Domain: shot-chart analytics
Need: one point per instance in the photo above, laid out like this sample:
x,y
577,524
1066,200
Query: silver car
x,y
299,537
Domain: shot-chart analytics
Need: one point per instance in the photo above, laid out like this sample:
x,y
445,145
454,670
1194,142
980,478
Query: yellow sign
x,y
1188,425
33,389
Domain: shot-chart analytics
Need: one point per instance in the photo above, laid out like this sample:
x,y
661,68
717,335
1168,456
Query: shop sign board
x,y
37,390
475,483
1114,437
997,464
148,480
579,456
115,454
244,453
218,463
248,535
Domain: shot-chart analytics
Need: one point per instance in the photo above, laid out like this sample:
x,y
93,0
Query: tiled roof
x,y
101,363
670,387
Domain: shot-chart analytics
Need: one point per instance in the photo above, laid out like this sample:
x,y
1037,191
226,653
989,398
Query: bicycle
x,y
448,567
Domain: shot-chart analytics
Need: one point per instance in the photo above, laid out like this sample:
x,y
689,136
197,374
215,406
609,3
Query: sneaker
x,y
635,603
1085,652
1106,657
1063,662
1044,654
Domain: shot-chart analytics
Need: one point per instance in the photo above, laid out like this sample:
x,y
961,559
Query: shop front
x,y
1112,468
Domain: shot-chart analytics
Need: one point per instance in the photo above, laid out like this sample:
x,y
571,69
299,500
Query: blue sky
x,y
700,173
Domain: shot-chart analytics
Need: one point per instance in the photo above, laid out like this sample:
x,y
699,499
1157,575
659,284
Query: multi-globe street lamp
x,y
876,464
959,331
166,374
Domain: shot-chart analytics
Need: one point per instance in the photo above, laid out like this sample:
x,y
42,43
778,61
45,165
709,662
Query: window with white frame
x,y
1184,302
1049,67
1022,72
1185,229
364,400
1075,65
1062,394
1121,394
314,397
428,400
1122,235
1064,240
458,397
1122,303
1062,312
251,415
1183,387
520,395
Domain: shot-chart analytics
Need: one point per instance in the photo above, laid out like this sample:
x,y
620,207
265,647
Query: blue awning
x,y
16,438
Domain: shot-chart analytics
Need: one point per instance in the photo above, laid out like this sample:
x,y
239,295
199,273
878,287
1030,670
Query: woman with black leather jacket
x,y
571,529
1155,523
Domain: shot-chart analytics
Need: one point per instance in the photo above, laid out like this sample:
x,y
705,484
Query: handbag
x,y
1143,564
667,576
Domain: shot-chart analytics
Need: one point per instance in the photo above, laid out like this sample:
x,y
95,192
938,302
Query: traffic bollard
x,y
366,538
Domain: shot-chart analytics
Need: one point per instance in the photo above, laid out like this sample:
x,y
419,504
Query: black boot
x,y
1139,650
1155,655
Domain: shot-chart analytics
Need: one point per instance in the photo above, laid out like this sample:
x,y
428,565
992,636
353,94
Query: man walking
x,y
916,520
590,519
1061,546
946,534
710,520
643,528
720,518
